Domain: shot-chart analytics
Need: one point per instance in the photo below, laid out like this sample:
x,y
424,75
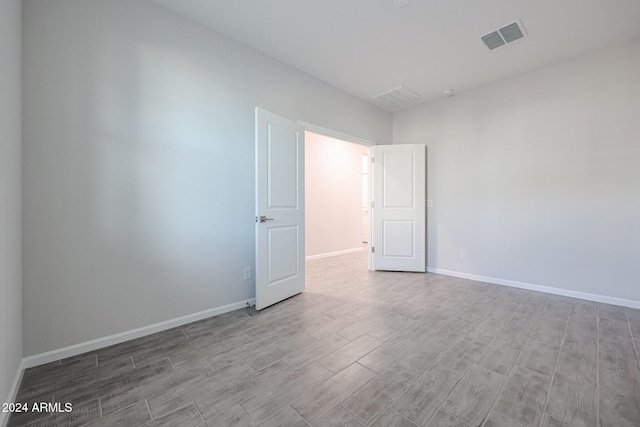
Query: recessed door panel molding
x,y
279,208
398,239
283,147
398,215
283,253
398,182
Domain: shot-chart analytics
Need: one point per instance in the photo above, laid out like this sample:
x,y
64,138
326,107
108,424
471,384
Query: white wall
x,y
10,198
537,176
333,194
139,164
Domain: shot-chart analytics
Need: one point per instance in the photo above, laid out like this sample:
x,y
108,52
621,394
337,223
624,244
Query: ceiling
x,y
367,47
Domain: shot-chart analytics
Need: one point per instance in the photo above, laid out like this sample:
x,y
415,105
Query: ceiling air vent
x,y
493,40
395,97
506,34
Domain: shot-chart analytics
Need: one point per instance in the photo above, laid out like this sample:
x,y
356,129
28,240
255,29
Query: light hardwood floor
x,y
362,348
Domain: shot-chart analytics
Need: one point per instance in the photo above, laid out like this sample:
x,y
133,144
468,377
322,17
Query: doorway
x,y
398,179
336,195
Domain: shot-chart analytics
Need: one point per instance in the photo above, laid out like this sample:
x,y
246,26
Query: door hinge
x,y
373,250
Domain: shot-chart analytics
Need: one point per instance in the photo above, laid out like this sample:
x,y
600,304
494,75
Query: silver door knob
x,y
265,219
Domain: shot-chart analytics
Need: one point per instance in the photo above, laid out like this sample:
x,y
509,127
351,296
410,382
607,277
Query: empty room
x,y
182,245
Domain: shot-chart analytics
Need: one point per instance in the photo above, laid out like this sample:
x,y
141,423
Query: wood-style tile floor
x,y
362,348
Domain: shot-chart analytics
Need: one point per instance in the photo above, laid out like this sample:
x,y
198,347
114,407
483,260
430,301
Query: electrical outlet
x,y
463,254
247,273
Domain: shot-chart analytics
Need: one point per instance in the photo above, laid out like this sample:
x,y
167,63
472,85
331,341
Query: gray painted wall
x,y
538,176
139,164
10,197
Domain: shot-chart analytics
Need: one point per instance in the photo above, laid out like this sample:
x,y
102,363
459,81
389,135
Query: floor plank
x,y
423,399
314,404
524,396
572,402
265,405
473,397
371,400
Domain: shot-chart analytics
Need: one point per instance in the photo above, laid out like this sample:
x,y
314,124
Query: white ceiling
x,y
366,47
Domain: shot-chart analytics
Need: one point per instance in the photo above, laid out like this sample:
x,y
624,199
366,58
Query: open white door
x,y
279,208
399,190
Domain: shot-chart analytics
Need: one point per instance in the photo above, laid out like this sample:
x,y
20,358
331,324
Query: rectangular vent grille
x,y
504,35
493,40
396,96
511,32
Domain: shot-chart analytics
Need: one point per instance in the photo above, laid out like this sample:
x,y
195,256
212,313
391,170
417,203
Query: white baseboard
x,y
330,254
540,288
74,350
13,393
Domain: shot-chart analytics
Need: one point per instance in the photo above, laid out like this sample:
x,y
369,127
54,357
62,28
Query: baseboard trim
x,y
331,254
540,288
74,350
13,393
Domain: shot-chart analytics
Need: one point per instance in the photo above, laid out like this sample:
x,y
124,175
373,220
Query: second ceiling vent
x,y
395,97
504,35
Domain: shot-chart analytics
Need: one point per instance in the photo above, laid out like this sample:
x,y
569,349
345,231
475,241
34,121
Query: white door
x,y
279,208
399,190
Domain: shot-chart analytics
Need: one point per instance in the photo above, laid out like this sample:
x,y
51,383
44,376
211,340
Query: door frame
x,y
356,140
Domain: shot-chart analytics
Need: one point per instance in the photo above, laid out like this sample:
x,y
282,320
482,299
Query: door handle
x,y
264,219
